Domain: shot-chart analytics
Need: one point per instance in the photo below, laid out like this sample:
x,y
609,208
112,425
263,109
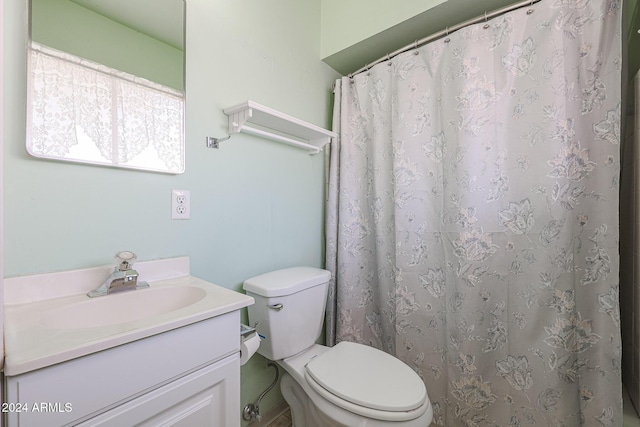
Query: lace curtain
x,y
472,225
83,111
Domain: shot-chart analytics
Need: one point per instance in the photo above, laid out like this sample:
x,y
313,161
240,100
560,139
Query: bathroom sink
x,y
44,328
122,307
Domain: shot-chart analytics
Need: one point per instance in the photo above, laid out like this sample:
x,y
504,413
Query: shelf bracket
x,y
237,120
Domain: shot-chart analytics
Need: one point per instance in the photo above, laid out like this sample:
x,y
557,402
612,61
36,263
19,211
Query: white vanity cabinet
x,y
189,377
167,355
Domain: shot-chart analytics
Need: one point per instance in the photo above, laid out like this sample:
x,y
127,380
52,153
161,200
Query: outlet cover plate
x,y
180,204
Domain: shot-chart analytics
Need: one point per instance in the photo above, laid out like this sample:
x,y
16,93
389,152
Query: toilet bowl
x,y
347,385
349,395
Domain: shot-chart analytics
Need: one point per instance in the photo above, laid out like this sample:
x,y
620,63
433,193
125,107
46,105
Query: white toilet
x,y
345,385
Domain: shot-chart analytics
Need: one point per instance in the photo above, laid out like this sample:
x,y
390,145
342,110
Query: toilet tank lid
x,y
286,281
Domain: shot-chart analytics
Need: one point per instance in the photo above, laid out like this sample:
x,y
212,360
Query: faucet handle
x,y
125,259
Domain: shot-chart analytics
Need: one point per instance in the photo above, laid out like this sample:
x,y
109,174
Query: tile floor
x,y
630,418
284,420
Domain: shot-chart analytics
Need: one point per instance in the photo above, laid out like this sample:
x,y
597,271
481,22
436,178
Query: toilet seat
x,y
368,382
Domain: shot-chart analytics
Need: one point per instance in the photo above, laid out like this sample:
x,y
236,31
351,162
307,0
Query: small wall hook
x,y
215,142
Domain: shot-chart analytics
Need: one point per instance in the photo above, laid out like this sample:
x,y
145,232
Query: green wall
x,y
343,24
256,205
66,26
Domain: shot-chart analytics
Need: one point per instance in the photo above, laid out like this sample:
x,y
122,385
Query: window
x,y
80,110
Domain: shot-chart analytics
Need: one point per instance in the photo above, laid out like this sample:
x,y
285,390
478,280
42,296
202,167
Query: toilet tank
x,y
288,310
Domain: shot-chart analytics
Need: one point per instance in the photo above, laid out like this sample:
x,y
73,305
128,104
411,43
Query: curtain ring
x,y
447,40
486,23
388,59
530,11
368,67
415,48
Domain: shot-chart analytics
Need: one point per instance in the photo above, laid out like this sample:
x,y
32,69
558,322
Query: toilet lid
x,y
368,377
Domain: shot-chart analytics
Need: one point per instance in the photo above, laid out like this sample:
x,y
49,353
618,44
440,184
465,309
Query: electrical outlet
x,y
180,204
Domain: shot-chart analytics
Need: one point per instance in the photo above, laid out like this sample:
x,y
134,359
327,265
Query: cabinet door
x,y
208,397
93,384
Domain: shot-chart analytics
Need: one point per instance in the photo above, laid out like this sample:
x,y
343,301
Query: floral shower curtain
x,y
473,216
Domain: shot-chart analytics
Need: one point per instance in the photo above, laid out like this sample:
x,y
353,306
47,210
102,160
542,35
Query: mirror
x,y
106,83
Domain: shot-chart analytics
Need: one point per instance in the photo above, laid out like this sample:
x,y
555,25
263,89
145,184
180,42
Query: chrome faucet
x,y
123,278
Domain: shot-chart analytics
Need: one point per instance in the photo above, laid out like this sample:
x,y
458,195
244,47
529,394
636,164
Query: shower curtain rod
x,y
446,32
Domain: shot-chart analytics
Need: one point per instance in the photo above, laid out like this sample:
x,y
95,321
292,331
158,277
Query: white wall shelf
x,y
253,118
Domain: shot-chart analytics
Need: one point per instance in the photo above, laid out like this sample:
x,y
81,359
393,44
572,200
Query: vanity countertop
x,y
35,336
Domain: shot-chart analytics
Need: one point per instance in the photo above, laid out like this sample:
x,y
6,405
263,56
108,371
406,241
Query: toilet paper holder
x,y
246,331
249,343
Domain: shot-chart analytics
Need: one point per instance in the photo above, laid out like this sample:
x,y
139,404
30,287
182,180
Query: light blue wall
x,y
255,205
